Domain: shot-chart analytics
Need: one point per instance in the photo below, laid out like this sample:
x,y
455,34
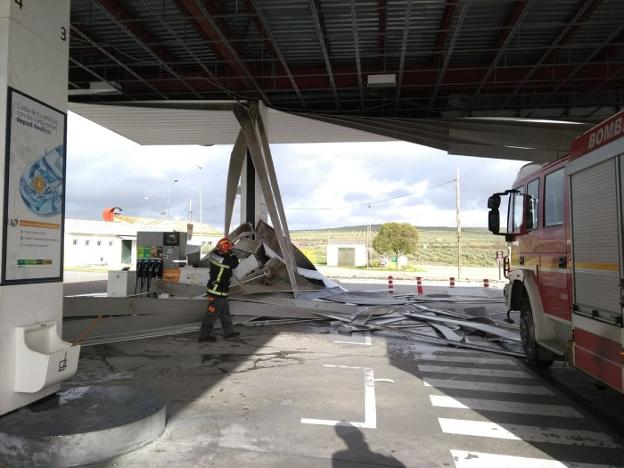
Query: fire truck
x,y
565,229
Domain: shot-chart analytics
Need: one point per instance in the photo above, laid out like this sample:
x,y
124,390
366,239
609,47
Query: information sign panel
x,y
34,191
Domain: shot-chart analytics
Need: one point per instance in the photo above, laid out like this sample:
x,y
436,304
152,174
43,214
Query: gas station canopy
x,y
429,71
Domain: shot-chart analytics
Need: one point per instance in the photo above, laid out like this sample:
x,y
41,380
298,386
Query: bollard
x,y
486,283
419,286
390,285
452,282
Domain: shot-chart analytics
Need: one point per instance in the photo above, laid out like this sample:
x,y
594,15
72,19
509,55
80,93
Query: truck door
x,y
553,272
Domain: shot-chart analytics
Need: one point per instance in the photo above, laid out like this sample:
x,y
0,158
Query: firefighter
x,y
222,262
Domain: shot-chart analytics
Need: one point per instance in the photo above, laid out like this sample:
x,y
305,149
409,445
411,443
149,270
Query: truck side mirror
x,y
494,220
494,202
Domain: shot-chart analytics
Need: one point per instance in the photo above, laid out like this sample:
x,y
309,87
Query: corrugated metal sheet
x,y
588,81
153,126
203,124
595,236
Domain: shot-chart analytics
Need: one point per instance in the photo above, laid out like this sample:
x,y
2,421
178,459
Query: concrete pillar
x,y
34,50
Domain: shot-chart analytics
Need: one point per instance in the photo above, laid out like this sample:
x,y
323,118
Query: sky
x,y
321,184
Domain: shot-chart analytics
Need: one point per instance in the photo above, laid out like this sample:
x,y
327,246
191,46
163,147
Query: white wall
x,y
77,253
83,250
332,254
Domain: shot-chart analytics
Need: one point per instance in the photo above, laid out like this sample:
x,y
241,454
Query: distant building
x,y
348,254
113,244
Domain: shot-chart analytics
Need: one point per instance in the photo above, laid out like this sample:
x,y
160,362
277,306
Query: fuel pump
x,y
142,266
154,270
157,254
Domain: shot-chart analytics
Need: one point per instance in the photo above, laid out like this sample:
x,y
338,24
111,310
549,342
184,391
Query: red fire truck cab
x,y
565,227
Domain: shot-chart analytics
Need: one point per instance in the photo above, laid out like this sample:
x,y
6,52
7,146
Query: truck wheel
x,y
536,356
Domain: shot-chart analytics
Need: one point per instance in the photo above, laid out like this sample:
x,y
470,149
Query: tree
x,y
396,238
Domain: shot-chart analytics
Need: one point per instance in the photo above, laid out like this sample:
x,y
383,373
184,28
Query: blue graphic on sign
x,y
41,185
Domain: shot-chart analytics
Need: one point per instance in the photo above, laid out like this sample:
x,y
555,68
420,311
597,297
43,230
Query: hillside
x,y
436,245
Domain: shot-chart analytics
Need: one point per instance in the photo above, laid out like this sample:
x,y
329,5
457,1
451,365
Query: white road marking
x,y
370,407
465,459
367,340
443,401
475,371
474,360
526,433
488,386
342,367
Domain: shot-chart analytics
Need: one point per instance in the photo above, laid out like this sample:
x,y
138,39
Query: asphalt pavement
x,y
307,396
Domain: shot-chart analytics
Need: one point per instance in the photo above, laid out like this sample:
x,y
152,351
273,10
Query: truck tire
x,y
536,356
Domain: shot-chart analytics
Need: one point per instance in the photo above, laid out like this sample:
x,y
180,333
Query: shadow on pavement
x,y
358,453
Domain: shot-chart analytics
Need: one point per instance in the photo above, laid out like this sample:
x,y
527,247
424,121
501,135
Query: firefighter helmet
x,y
224,245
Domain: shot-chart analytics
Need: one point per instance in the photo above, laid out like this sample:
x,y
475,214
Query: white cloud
x,y
105,169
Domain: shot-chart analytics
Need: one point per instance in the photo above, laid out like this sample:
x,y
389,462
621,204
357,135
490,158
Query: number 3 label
x,y
63,33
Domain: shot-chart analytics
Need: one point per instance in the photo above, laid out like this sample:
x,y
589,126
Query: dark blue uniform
x,y
218,288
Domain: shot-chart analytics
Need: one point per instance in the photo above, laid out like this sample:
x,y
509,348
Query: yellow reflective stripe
x,y
530,260
596,266
220,265
216,293
222,268
219,275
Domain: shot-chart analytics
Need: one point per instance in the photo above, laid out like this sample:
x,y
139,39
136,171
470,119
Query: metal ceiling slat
x,y
267,30
520,71
320,31
116,14
448,55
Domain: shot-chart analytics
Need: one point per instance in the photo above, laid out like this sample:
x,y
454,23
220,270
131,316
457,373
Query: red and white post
x,y
486,283
419,286
452,282
390,285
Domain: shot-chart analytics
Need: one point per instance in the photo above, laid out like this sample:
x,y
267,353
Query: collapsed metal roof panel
x,y
160,125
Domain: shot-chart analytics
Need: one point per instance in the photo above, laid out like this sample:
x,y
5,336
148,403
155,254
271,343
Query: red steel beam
x,y
204,28
381,28
216,30
125,22
268,47
86,38
319,25
445,25
118,14
615,35
611,50
518,13
511,26
406,27
584,11
419,78
258,11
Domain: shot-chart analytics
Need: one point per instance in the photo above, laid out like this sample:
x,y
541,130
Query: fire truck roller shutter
x,y
595,234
